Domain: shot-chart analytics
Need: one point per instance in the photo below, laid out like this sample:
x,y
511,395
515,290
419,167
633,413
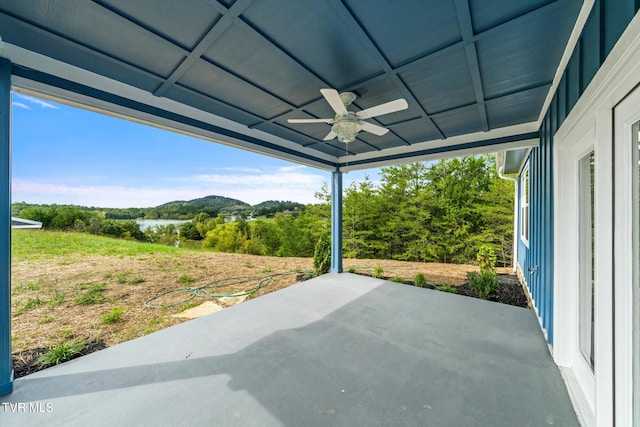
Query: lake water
x,y
146,223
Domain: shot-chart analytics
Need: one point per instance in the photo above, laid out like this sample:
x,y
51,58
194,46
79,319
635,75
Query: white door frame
x,y
626,114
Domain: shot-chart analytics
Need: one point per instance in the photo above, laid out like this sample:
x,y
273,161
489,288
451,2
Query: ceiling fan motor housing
x,y
346,127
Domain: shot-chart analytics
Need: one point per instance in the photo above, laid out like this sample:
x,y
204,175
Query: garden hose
x,y
206,291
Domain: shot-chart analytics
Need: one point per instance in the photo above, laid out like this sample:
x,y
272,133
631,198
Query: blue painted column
x,y
336,221
6,374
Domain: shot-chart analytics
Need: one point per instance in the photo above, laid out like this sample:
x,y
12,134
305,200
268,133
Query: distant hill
x,y
215,202
180,209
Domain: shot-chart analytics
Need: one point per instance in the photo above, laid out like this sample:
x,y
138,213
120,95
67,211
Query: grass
x,y
378,272
60,353
52,244
92,296
29,305
447,288
113,316
186,279
397,279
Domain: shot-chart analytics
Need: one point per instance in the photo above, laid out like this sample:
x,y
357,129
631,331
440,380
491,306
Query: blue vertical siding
x,y
605,25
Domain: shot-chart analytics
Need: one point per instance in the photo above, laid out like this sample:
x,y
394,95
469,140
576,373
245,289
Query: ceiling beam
x,y
360,34
204,44
466,30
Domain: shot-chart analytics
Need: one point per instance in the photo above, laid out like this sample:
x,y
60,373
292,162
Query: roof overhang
x,y
24,223
478,80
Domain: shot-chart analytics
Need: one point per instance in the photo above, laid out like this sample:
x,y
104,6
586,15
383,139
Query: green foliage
x,y
60,353
92,296
397,279
447,288
438,212
29,305
378,272
485,283
322,255
186,279
486,259
352,269
420,281
57,298
113,316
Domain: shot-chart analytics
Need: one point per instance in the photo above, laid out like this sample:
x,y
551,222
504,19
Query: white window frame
x,y
525,213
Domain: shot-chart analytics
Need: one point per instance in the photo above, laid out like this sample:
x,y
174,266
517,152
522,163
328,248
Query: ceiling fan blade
x,y
374,129
327,121
386,108
330,135
333,98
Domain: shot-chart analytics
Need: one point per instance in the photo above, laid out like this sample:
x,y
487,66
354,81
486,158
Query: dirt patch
x,y
100,300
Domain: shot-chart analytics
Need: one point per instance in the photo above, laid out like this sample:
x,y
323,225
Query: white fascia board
x,y
490,148
57,68
585,11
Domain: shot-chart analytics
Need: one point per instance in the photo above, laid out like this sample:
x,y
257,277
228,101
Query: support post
x,y
336,221
6,374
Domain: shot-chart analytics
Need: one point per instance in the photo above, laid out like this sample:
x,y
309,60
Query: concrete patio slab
x,y
338,350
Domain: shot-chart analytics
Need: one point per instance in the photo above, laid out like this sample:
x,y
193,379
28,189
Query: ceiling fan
x,y
347,124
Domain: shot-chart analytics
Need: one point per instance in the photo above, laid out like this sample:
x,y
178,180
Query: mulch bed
x,y
23,362
510,291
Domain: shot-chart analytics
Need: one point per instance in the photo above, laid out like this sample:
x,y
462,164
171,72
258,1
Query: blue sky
x,y
67,155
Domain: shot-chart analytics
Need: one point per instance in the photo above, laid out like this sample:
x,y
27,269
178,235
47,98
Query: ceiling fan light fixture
x,y
346,128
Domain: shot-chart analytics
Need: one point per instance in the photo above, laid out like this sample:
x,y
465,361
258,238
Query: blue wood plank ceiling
x,y
464,66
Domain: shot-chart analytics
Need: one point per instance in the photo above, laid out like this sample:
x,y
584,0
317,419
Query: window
x,y
524,205
586,318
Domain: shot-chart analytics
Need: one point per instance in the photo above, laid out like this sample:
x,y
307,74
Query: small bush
x,y
397,279
322,255
60,353
484,284
486,259
352,269
420,281
378,272
113,316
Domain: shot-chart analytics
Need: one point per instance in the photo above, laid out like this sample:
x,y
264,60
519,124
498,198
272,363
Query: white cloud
x,y
20,105
36,101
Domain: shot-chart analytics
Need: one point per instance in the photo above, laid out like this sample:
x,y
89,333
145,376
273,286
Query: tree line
x,y
438,212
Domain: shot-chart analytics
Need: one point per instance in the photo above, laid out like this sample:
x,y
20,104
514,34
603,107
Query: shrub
x,y
420,281
378,272
322,255
484,283
486,259
352,269
60,353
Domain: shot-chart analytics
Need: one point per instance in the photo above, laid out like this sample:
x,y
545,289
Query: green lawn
x,y
29,245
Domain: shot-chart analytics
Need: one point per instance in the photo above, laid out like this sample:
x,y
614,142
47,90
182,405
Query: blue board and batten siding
x,y
605,25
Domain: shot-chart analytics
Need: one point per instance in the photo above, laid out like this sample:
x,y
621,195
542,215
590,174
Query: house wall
x,y
602,74
606,23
